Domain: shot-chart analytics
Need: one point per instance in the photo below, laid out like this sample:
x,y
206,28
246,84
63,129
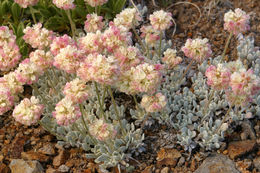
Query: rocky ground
x,y
32,149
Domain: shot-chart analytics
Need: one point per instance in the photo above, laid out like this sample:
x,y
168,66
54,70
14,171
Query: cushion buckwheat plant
x,y
74,81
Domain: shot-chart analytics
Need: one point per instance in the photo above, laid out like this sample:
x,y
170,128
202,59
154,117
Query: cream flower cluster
x,y
68,59
236,22
28,111
94,3
128,57
218,77
10,81
42,59
93,23
113,38
61,42
66,112
127,19
102,130
170,58
37,36
153,103
197,49
64,4
6,99
161,20
150,35
91,43
26,3
9,51
76,90
28,72
146,78
97,67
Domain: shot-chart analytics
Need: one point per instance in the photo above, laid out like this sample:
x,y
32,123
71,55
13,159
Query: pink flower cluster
x,y
10,81
99,68
76,90
197,49
93,23
68,59
9,51
146,78
161,20
218,77
101,130
29,111
26,3
94,3
113,38
128,57
170,58
153,103
64,4
239,84
6,99
127,19
61,42
150,35
37,36
236,22
91,43
28,72
66,112
41,59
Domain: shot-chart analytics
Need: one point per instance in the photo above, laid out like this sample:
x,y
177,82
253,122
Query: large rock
x,y
239,148
217,163
21,166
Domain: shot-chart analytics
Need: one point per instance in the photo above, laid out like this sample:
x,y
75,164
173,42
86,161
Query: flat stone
x,y
22,166
217,163
239,148
63,168
256,162
47,149
61,158
31,155
51,170
165,170
148,169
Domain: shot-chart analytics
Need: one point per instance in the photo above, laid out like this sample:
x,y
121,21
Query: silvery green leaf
x,y
91,156
102,158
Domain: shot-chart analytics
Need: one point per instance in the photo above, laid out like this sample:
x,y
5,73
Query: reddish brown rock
x,y
31,155
17,147
47,149
239,148
51,170
61,158
168,157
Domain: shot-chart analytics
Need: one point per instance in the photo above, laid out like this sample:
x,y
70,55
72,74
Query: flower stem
x,y
116,110
223,120
72,24
139,39
82,116
207,106
160,45
226,46
185,72
33,16
99,101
